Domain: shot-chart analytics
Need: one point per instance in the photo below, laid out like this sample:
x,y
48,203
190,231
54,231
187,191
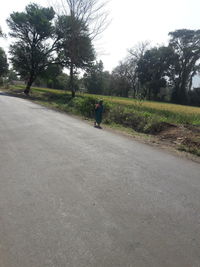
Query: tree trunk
x,y
72,80
28,86
149,94
183,88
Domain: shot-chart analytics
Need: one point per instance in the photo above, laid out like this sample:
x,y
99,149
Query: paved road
x,y
72,195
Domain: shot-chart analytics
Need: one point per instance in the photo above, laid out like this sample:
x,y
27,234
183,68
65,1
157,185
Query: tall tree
x,y
49,76
194,97
3,63
153,69
92,13
12,76
74,47
92,16
32,52
136,54
121,83
186,45
93,79
138,51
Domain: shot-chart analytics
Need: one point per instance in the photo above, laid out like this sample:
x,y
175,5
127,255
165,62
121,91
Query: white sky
x,y
133,21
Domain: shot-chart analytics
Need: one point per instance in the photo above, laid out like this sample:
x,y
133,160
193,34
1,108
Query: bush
x,y
139,121
85,105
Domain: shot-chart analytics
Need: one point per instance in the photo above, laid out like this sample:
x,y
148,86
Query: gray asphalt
x,y
72,195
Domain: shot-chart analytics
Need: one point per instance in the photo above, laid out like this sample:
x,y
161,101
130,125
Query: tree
x,y
32,52
12,76
186,45
50,75
121,84
2,34
91,13
61,81
138,51
194,97
135,54
94,79
3,63
92,17
75,50
153,69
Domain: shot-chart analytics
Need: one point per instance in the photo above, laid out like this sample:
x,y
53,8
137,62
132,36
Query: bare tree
x,y
92,13
138,51
135,54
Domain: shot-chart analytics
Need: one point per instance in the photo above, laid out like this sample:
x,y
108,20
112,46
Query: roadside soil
x,y
182,135
183,141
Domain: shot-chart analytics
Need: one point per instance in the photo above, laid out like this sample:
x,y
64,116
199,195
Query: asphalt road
x,y
72,195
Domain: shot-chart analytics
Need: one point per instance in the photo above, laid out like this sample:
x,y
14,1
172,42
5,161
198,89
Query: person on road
x,y
98,114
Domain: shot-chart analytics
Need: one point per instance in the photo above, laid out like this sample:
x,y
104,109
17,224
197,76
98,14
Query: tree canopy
x,y
162,72
92,13
152,69
74,47
45,43
186,45
31,53
93,79
3,63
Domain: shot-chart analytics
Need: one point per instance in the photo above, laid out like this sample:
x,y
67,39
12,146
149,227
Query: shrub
x,y
84,105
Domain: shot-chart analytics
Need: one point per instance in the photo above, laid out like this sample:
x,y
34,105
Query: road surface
x,y
72,195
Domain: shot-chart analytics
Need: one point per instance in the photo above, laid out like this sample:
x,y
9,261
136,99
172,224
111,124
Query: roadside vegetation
x,y
175,123
150,91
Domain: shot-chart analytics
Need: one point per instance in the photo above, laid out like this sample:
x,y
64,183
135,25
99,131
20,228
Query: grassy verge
x,y
140,116
170,113
189,149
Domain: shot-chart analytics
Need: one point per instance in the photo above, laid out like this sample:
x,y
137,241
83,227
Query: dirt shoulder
x,y
178,140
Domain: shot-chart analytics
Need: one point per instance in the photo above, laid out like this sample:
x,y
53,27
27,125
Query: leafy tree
x,y
12,76
3,63
75,48
61,81
106,82
58,81
49,76
153,69
186,45
32,52
121,84
94,79
194,97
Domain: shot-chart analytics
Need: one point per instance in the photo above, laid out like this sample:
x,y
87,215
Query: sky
x,y
131,22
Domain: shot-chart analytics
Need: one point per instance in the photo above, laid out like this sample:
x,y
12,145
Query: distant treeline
x,y
45,45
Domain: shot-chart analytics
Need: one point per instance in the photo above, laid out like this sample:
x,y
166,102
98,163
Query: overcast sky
x,y
132,21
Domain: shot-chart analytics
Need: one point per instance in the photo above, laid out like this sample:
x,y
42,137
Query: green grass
x,y
142,118
164,112
171,113
192,150
119,108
